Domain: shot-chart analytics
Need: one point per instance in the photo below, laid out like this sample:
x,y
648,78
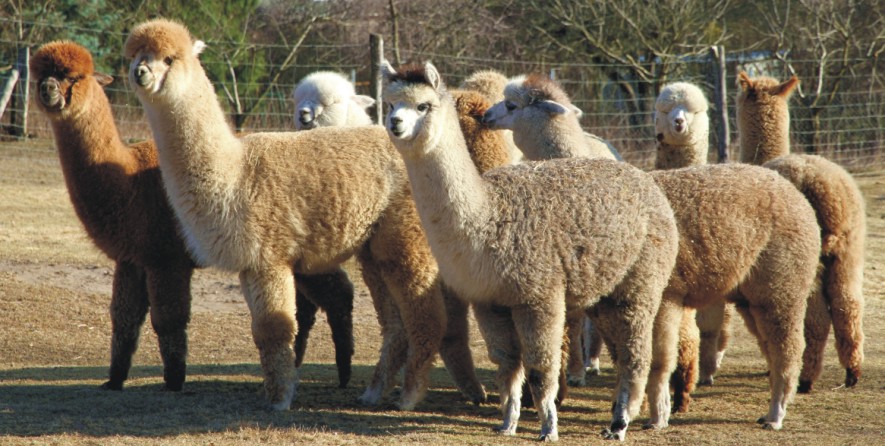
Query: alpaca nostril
x,y
396,121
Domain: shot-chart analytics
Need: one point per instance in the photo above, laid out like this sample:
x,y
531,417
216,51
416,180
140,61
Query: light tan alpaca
x,y
764,127
733,221
682,130
490,84
524,243
265,202
550,121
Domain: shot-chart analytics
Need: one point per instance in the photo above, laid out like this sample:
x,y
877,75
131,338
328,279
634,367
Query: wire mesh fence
x,y
845,123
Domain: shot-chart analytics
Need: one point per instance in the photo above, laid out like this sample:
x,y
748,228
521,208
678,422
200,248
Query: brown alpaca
x,y
764,126
117,193
734,222
270,203
525,243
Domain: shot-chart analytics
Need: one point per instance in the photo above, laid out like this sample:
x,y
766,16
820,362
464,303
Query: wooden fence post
x,y
376,48
720,102
8,88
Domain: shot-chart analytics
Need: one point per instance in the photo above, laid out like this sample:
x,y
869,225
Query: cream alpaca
x,y
118,194
544,121
764,126
702,197
525,242
328,99
271,203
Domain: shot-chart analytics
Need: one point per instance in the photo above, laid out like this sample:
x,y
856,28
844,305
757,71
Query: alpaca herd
x,y
488,197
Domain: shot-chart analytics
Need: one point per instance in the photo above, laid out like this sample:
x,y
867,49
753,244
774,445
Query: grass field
x,y
55,337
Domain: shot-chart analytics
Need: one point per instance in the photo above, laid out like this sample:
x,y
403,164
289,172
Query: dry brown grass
x,y
55,331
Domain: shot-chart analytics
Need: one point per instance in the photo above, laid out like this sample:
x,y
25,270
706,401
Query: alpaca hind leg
x,y
685,376
843,282
817,330
394,345
576,372
455,349
628,331
666,334
540,329
129,307
270,293
306,317
170,299
714,324
592,347
496,325
333,292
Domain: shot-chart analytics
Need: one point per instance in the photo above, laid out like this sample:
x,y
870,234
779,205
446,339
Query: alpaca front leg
x,y
129,307
333,292
669,330
591,343
577,373
714,324
306,316
817,330
170,299
455,349
502,343
270,293
540,329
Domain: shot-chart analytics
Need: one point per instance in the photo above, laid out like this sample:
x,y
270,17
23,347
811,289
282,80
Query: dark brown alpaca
x,y
118,195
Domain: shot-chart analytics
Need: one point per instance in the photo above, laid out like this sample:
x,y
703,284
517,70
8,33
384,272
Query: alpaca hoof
x,y
804,387
479,398
575,381
110,385
680,406
549,437
593,371
851,377
655,426
771,426
172,387
608,434
507,431
708,381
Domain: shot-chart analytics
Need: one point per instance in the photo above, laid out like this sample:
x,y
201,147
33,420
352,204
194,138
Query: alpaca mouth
x,y
307,123
143,76
397,132
680,128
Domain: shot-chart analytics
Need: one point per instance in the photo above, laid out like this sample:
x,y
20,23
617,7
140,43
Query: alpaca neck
x,y
195,142
450,194
765,136
675,156
558,137
87,141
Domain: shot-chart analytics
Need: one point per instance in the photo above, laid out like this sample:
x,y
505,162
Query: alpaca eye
x,y
423,107
510,106
168,60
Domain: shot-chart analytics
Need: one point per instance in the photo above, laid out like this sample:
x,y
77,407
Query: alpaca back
x,y
767,228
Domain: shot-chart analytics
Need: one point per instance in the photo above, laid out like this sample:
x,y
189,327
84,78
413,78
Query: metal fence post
x,y
720,102
376,49
21,130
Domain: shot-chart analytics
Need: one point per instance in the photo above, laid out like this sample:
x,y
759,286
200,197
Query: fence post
x,y
8,88
24,57
720,102
376,48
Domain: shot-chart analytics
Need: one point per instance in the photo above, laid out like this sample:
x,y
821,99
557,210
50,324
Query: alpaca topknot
x,y
159,36
539,87
62,58
410,73
684,93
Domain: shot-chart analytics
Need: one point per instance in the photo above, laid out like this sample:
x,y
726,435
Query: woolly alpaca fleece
x,y
328,99
525,242
763,117
243,206
544,122
681,126
152,269
490,84
763,112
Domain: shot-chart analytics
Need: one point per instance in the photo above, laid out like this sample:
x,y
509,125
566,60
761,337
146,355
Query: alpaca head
x,y
681,114
164,56
66,79
763,90
489,83
763,117
325,99
412,94
529,99
487,147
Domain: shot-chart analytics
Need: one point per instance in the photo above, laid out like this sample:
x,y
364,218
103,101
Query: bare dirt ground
x,y
55,337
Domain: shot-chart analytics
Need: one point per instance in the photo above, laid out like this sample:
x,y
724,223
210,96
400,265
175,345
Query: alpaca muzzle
x,y
50,94
143,75
306,119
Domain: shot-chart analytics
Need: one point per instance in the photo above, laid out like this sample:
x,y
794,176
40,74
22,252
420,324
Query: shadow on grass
x,y
54,400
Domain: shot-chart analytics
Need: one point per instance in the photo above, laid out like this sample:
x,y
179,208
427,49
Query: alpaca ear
x,y
786,89
578,111
432,75
103,79
362,101
743,81
555,108
387,69
199,46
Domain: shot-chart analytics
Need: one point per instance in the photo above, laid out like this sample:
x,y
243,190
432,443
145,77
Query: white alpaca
x,y
547,121
525,243
682,127
328,99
